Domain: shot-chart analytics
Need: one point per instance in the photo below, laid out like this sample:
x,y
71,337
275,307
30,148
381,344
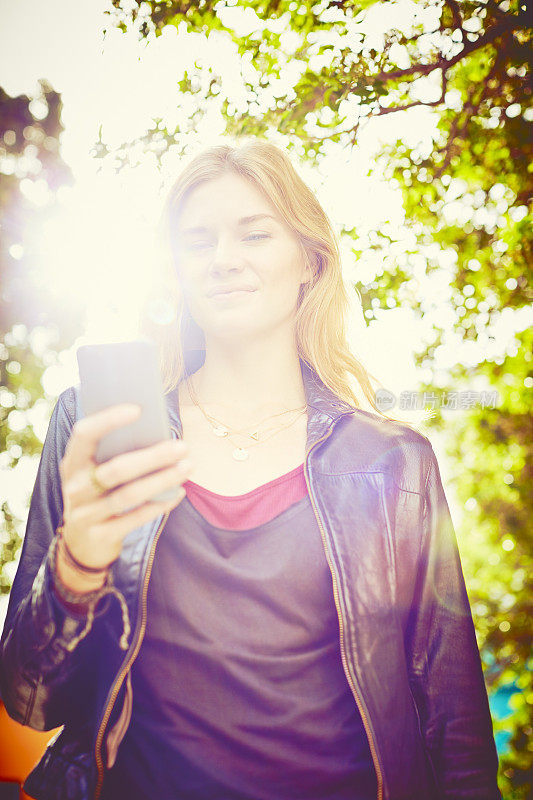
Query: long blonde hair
x,y
322,303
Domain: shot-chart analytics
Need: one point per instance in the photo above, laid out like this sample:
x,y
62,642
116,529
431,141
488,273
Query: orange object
x,y
20,749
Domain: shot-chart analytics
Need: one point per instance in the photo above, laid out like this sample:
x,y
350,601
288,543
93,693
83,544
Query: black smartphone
x,y
125,372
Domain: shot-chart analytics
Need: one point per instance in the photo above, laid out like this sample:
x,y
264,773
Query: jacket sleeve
x,y
446,673
45,654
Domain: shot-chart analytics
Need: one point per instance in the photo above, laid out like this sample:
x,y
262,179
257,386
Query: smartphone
x,y
125,372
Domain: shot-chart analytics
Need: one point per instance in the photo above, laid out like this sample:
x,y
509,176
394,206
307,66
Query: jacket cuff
x,y
55,620
36,650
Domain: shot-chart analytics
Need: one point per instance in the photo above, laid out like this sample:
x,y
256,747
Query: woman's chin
x,y
234,319
235,330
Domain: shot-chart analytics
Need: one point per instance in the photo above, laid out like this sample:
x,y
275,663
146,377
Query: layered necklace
x,y
240,451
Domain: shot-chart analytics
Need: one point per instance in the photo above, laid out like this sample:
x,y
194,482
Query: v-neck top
x,y
239,692
253,508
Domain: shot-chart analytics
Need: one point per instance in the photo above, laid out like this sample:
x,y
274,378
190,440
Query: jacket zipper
x,y
335,581
123,672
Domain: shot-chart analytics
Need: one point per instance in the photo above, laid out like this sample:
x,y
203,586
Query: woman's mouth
x,y
231,294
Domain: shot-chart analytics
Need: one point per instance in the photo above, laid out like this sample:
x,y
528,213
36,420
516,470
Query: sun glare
x,y
101,247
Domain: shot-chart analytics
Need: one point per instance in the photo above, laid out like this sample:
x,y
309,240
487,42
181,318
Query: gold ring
x,y
95,480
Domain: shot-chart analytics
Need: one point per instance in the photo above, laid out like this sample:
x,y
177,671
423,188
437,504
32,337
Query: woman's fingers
x,y
132,465
104,543
122,525
96,529
87,432
95,521
130,495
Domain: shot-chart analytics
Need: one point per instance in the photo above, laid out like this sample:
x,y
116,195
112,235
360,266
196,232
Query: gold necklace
x,y
221,429
240,453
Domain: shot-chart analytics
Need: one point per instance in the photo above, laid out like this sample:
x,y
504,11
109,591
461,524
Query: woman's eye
x,y
202,244
256,236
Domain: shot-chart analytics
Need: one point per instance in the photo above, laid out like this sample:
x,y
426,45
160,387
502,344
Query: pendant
x,y
240,454
219,430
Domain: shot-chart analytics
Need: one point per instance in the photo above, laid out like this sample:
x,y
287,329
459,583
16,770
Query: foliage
x,y
495,448
31,172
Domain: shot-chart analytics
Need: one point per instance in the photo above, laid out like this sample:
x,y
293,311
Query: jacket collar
x,y
324,406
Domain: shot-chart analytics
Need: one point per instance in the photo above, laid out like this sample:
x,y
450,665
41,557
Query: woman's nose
x,y
226,258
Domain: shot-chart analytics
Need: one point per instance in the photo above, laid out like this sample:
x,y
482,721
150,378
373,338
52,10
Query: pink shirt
x,y
243,511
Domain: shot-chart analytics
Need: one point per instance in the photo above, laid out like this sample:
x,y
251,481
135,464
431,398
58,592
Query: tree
x,y
31,171
467,196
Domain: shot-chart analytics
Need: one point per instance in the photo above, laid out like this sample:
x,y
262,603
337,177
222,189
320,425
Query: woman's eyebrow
x,y
241,223
255,218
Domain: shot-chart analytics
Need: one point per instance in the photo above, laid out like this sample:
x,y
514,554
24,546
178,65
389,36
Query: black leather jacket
x,y
407,638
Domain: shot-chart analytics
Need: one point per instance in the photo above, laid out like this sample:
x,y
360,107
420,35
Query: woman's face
x,y
240,266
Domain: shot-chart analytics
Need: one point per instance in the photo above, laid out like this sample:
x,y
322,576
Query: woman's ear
x,y
307,271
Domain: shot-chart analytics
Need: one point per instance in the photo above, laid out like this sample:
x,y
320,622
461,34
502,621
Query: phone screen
x,y
124,372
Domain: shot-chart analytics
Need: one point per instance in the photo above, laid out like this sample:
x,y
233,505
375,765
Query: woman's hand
x,y
95,525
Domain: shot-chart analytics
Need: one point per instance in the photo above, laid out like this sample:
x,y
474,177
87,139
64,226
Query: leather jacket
x,y
407,638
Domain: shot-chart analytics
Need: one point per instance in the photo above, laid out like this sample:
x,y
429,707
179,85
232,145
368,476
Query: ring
x,y
96,482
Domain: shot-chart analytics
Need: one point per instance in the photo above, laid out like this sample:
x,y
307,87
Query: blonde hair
x,y
323,302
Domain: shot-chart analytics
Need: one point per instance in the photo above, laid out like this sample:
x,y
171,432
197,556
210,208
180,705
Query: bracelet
x,y
86,602
73,562
66,594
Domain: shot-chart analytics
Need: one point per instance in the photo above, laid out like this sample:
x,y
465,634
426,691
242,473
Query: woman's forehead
x,y
230,197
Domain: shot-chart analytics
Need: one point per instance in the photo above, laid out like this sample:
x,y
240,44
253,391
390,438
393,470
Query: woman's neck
x,y
250,379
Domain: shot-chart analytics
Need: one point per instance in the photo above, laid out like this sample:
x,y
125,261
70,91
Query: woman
x,y
295,623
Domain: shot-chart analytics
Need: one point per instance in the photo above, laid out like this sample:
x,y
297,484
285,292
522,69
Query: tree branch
x,y
440,100
456,14
511,23
469,109
417,36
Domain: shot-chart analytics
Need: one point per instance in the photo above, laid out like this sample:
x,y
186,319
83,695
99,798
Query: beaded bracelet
x,y
75,598
86,603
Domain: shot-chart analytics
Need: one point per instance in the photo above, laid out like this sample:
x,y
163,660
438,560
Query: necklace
x,y
220,429
241,453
